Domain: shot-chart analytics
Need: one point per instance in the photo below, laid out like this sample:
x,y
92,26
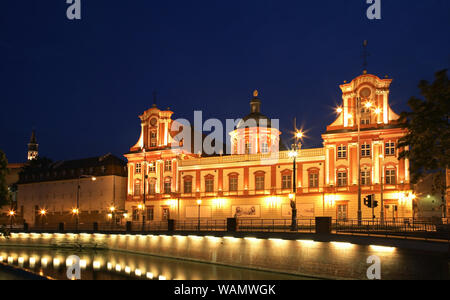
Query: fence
x,y
388,228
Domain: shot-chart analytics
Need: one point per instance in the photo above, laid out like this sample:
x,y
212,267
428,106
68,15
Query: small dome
x,y
255,117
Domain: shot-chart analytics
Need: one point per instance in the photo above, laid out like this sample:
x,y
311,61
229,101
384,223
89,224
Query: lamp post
x,y
145,180
11,214
199,203
293,154
76,211
381,190
358,107
42,213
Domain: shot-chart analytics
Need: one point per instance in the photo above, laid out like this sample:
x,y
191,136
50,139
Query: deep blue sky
x,y
82,84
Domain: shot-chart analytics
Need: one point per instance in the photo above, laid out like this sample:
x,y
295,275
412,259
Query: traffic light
x,y
370,201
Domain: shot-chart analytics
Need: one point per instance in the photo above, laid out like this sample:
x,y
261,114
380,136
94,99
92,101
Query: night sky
x,y
82,84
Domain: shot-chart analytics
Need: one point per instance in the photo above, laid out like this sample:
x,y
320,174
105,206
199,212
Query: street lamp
x,y
381,189
76,211
298,135
112,209
11,214
145,180
42,213
199,203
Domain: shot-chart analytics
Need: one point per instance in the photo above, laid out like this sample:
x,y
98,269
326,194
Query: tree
x,y
428,138
4,193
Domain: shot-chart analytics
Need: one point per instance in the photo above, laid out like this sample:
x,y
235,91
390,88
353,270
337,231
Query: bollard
x,y
171,225
26,227
231,224
323,225
128,227
95,227
61,227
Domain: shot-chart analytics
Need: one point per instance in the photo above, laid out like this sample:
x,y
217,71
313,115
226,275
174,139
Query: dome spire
x,y
255,104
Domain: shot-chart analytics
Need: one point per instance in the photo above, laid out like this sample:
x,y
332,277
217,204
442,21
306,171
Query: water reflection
x,y
113,265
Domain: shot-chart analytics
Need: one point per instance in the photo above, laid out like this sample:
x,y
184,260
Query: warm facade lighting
x,y
299,135
342,246
42,212
112,209
378,110
382,249
75,211
11,213
199,202
339,110
368,104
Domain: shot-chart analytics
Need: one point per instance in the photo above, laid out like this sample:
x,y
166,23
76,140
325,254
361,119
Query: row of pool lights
x,y
338,245
96,265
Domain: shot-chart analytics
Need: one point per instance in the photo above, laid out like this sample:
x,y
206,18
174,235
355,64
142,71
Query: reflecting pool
x,y
114,265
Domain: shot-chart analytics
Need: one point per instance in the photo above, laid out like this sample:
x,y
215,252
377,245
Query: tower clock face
x,y
153,121
365,93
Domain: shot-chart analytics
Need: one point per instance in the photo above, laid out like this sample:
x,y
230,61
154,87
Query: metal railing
x,y
275,225
405,228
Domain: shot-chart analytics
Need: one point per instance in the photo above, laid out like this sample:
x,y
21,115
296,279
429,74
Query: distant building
x,y
33,147
53,188
430,203
255,181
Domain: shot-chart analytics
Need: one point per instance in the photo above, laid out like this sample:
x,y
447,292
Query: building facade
x,y
52,188
256,180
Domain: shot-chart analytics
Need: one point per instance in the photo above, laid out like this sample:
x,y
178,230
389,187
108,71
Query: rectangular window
x,y
188,186
365,177
342,152
390,176
365,116
168,165
150,213
248,148
264,148
259,182
286,182
342,179
233,184
152,187
209,185
389,148
365,150
138,168
137,188
342,211
313,180
152,167
153,139
167,187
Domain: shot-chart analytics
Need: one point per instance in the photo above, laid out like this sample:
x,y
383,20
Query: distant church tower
x,y
33,147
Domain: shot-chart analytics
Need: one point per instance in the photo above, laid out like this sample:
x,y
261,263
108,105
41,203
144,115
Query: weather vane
x,y
365,56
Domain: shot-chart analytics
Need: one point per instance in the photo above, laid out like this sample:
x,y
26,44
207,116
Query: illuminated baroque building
x,y
255,181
